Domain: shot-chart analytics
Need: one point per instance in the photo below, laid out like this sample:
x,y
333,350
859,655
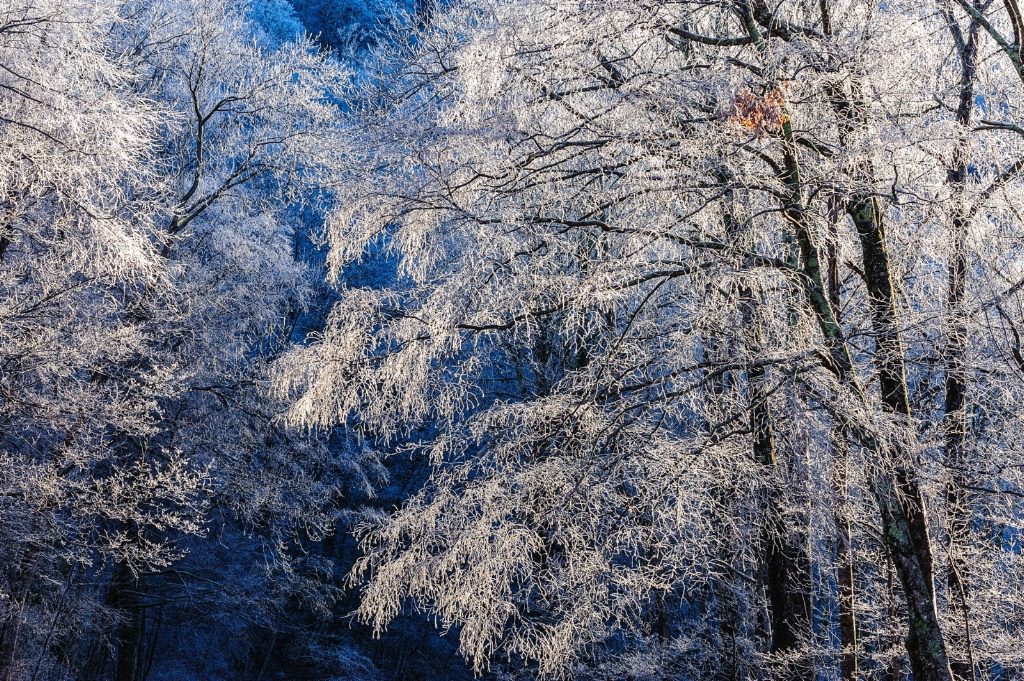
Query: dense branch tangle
x,y
150,152
665,263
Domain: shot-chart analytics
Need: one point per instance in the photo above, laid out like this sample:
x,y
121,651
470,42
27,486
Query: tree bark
x,y
129,632
787,567
954,423
901,502
845,585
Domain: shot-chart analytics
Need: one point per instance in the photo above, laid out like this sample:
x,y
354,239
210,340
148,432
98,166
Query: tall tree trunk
x,y
787,567
786,562
129,632
729,668
845,584
888,358
902,505
899,500
845,580
844,536
954,422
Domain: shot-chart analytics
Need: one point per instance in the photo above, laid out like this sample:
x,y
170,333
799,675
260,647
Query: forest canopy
x,y
548,339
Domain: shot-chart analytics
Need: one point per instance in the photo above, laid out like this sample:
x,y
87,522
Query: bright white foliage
x,y
154,158
586,209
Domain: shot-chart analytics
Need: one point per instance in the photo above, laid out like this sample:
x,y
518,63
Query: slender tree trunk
x,y
725,586
151,654
954,421
899,500
786,563
954,455
844,537
787,567
728,629
129,632
845,583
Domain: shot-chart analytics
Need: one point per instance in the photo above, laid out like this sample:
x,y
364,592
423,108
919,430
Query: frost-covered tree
x,y
157,156
346,24
78,232
707,318
278,20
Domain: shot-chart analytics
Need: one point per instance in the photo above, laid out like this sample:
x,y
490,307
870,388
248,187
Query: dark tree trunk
x,y
904,515
955,413
844,537
847,596
129,633
728,630
786,564
903,509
